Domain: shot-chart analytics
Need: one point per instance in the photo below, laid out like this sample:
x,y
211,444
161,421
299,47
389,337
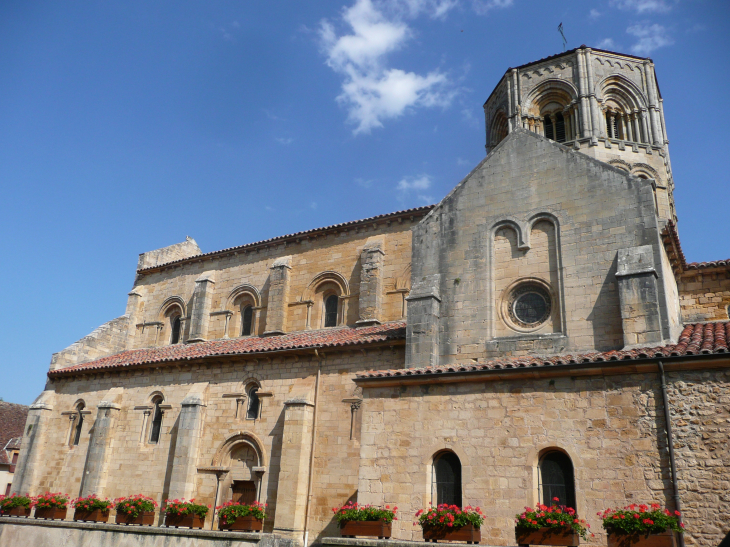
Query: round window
x,y
529,305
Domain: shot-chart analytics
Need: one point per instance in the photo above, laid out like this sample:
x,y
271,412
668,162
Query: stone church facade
x,y
537,332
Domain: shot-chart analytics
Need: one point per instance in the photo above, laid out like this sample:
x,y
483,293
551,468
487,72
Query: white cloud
x,y
483,6
365,183
436,9
651,37
461,162
644,6
594,14
373,92
607,43
313,205
421,182
284,140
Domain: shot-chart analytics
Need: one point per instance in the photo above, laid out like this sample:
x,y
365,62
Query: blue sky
x,y
126,126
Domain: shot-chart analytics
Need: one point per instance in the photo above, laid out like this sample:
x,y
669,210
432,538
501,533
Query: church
x,y
536,334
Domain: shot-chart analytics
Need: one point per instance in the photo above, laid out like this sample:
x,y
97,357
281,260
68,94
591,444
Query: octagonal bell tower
x,y
606,105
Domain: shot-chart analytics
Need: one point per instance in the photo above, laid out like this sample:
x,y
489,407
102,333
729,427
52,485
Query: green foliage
x,y
449,516
182,507
92,503
11,502
133,506
50,500
557,516
353,511
229,512
646,520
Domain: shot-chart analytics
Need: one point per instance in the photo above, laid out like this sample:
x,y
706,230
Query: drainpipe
x,y
670,444
314,443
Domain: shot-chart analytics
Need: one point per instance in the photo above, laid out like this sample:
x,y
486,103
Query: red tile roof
x,y
696,339
325,338
12,424
670,237
416,211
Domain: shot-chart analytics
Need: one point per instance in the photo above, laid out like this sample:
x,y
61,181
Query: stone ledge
x,y
370,542
214,536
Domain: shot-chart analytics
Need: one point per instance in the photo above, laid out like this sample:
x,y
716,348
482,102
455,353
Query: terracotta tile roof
x,y
325,338
12,424
696,339
670,237
416,211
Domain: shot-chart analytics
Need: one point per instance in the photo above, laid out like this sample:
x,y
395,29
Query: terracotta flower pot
x,y
17,512
52,513
376,528
184,521
466,533
145,518
246,524
664,539
97,515
547,536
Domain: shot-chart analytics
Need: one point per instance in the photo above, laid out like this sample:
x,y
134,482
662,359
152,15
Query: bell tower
x,y
604,104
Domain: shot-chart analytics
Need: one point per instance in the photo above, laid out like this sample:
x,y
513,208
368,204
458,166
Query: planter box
x,y
376,528
92,516
665,539
183,521
247,524
466,533
53,513
145,518
18,512
547,536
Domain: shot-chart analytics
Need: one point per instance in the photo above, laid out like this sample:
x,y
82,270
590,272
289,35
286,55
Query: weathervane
x,y
560,30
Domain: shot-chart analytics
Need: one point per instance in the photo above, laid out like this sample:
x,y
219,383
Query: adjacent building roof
x,y
313,339
670,237
416,211
696,339
12,424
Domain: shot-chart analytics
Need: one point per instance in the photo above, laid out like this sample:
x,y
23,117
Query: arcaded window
x,y
252,412
156,427
556,479
175,329
79,424
330,310
447,479
246,321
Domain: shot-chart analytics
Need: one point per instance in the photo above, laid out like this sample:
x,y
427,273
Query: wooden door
x,y
244,492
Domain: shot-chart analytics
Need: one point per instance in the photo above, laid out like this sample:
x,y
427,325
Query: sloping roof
x,y
325,338
12,424
696,339
416,211
670,237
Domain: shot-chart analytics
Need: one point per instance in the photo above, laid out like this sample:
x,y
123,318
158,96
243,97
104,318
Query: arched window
x,y
79,424
252,412
556,479
330,310
175,329
156,421
447,479
246,320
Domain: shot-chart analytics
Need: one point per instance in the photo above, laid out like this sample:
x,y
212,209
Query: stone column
x,y
276,310
422,330
630,127
595,124
31,448
656,131
200,314
296,447
639,296
645,128
371,282
100,451
583,95
189,431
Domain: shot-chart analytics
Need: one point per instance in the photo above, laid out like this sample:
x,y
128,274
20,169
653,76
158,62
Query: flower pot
x,y
376,528
466,533
51,513
184,521
246,524
17,512
145,518
547,536
97,515
664,539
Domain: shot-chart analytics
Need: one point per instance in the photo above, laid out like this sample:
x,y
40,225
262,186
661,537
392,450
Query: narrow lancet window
x,y
175,324
330,311
447,479
79,424
556,479
246,321
156,423
252,413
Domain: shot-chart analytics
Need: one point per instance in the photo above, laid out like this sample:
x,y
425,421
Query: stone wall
x,y
611,426
705,296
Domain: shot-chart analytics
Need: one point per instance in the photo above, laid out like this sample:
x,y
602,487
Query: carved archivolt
x,y
242,291
332,277
237,442
552,94
171,305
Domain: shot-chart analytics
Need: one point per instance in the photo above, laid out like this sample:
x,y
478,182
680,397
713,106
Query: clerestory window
x,y
252,412
175,324
330,310
156,427
246,321
79,424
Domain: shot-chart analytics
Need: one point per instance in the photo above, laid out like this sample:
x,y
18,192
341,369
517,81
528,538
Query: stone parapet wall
x,y
705,296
